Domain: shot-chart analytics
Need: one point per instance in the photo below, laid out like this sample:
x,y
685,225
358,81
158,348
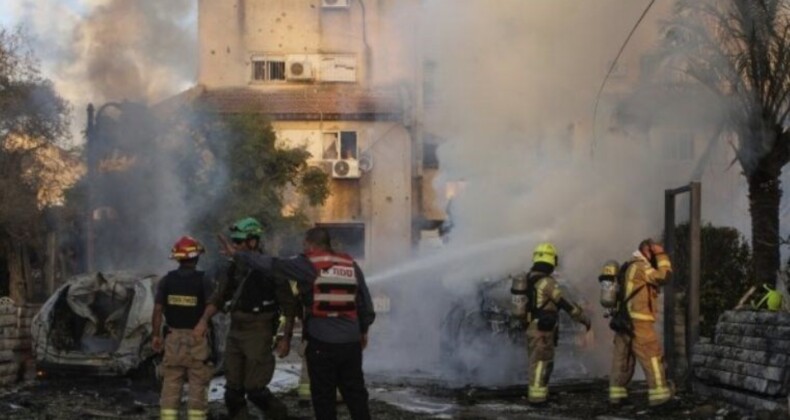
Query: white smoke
x,y
516,83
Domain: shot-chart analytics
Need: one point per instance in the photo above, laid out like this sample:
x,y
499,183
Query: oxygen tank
x,y
609,286
519,299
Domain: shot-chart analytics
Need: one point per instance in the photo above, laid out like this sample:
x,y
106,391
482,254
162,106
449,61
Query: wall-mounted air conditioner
x,y
345,169
298,69
335,4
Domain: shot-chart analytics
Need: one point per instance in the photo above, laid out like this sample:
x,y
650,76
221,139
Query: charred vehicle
x,y
99,323
482,343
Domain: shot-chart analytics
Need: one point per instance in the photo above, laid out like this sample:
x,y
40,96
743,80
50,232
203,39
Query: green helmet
x,y
546,253
246,228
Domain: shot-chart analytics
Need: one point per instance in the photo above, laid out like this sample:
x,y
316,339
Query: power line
x,y
609,73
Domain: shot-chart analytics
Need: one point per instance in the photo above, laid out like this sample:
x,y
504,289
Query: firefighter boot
x,y
272,407
236,404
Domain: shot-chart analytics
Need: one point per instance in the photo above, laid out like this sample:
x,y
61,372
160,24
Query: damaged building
x,y
337,78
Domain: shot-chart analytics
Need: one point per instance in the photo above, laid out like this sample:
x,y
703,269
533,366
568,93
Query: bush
x,y
726,271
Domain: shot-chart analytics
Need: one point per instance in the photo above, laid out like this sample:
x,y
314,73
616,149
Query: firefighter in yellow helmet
x,y
181,298
544,302
633,323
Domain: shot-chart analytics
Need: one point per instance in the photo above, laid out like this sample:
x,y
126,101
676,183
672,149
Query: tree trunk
x,y
765,194
16,279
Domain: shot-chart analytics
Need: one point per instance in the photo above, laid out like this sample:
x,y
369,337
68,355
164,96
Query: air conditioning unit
x,y
335,4
298,69
345,169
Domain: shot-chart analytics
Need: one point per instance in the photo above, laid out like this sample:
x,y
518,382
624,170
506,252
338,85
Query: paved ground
x,y
119,398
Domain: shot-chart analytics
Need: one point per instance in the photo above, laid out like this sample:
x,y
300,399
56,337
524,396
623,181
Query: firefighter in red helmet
x,y
181,298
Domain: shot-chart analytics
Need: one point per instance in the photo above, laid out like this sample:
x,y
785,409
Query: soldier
x,y
181,296
338,313
254,300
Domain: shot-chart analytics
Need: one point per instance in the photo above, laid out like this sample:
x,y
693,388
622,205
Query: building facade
x,y
339,78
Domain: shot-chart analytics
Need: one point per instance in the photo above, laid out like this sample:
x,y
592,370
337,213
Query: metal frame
x,y
695,254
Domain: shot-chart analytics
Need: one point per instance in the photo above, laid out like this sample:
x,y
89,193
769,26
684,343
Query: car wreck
x,y
98,323
482,343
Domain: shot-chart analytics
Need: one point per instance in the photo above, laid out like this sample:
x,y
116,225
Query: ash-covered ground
x,y
83,398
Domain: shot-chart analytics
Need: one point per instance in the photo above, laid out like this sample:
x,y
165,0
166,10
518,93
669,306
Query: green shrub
x,y
726,270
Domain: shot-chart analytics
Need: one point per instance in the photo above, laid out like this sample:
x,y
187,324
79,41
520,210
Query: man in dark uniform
x,y
254,300
181,296
338,313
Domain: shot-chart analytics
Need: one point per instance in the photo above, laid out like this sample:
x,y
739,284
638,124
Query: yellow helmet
x,y
545,252
609,270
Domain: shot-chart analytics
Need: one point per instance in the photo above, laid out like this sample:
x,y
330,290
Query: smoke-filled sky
x,y
110,50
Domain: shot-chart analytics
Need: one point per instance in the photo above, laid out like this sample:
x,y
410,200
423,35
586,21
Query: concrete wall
x,y
231,32
381,198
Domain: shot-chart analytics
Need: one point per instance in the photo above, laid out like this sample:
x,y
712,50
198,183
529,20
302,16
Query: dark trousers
x,y
336,366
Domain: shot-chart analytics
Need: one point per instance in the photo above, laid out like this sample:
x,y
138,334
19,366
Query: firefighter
x,y
544,302
254,299
338,312
634,325
181,297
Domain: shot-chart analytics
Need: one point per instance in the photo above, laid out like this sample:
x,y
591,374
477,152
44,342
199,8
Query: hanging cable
x,y
609,73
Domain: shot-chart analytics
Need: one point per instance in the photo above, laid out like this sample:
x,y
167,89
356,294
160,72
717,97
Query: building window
x,y
429,83
678,147
348,238
268,69
340,145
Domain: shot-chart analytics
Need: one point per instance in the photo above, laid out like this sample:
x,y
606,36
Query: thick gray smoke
x,y
100,51
516,83
110,50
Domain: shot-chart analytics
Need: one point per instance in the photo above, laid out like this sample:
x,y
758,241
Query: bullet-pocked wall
x,y
234,33
320,67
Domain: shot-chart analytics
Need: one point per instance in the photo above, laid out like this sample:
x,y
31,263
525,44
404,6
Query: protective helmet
x,y
609,270
246,228
545,252
186,248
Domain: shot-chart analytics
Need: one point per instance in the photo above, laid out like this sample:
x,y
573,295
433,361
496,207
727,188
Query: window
x,y
429,83
347,237
330,141
339,145
348,145
678,147
267,69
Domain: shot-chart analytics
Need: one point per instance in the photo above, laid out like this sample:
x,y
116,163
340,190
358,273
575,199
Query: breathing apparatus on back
x,y
610,286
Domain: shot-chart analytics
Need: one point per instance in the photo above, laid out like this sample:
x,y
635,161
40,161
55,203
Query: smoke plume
x,y
110,50
516,84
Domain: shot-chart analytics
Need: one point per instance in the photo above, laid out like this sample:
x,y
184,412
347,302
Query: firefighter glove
x,y
579,316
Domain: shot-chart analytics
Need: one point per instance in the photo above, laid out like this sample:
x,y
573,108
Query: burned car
x,y
482,344
97,323
100,323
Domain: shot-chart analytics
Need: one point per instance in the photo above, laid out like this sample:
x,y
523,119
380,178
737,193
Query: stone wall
x,y
16,357
748,361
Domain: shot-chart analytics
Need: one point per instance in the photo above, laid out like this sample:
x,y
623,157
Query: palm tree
x,y
740,51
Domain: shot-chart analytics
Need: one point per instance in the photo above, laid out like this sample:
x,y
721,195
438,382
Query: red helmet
x,y
186,248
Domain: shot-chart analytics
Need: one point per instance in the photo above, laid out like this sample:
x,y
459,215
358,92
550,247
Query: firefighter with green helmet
x,y
544,300
254,300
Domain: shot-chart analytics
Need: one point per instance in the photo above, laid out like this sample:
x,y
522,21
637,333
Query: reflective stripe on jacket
x,y
644,305
335,287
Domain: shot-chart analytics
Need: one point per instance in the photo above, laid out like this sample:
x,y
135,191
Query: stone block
x,y
744,382
742,399
753,343
740,354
